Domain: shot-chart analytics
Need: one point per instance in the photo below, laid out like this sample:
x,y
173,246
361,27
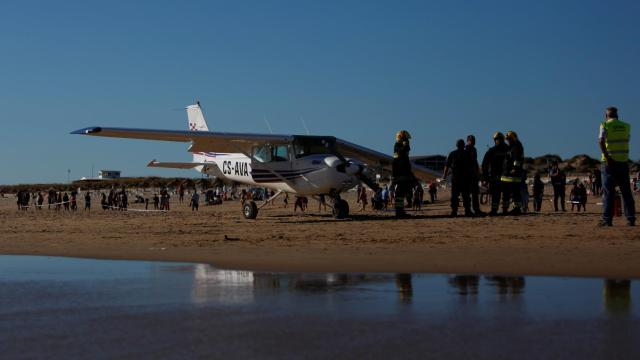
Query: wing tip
x,y
87,131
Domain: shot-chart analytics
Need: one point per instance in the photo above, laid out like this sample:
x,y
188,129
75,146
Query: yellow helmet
x,y
403,135
498,135
512,135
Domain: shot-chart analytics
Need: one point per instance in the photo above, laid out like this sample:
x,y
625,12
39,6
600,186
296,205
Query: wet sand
x,y
549,243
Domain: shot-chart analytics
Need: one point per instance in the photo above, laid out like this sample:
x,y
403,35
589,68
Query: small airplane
x,y
302,165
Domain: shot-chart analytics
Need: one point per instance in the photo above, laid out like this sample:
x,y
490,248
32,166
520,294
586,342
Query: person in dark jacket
x,y
460,167
403,178
512,173
474,179
559,183
538,192
492,168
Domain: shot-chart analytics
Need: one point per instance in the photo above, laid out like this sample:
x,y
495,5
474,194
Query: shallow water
x,y
78,308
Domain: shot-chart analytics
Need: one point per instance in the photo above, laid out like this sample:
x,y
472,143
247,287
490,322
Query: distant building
x,y
432,162
109,174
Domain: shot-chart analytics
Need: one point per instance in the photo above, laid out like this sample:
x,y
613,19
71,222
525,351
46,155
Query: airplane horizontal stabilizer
x,y
174,165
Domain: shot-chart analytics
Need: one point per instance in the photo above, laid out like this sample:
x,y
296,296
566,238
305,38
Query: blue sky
x,y
359,70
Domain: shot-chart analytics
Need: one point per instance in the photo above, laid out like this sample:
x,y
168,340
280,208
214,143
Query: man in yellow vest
x,y
614,143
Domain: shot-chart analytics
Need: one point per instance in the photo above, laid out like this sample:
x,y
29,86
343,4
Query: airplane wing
x,y
377,159
202,141
174,165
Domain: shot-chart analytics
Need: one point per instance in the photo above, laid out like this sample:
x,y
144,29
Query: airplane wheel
x,y
340,209
250,210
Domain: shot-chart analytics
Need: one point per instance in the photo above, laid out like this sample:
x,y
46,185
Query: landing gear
x,y
340,209
250,210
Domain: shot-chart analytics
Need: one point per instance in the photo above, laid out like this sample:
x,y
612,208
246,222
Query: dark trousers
x,y
617,174
497,192
511,192
558,194
402,190
475,196
537,202
459,188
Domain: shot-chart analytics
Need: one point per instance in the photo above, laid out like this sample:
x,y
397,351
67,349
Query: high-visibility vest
x,y
617,139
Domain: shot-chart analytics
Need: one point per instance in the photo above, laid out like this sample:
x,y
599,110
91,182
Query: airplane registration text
x,y
235,168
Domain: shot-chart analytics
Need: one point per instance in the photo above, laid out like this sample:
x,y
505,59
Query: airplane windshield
x,y
269,153
305,146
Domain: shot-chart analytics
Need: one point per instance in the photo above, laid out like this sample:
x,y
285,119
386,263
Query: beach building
x,y
109,174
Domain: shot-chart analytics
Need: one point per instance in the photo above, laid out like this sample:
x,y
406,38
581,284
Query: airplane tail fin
x,y
196,123
196,118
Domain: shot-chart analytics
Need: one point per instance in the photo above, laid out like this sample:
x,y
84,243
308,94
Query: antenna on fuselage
x,y
268,125
305,125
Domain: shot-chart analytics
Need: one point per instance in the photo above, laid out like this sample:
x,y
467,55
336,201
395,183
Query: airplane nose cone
x,y
332,161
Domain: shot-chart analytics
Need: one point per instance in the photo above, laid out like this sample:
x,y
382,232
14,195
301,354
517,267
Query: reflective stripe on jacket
x,y
617,139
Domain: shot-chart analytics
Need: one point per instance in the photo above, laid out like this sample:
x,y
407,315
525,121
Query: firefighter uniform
x,y
492,168
512,173
403,178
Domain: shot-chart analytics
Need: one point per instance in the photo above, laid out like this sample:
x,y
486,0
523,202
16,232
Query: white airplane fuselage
x,y
310,175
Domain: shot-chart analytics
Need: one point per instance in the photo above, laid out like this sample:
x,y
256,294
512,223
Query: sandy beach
x,y
567,244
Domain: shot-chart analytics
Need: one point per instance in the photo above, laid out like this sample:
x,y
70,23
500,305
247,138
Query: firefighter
x,y
403,178
492,165
512,174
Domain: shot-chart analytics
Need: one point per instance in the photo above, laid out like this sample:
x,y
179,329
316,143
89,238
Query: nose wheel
x,y
340,209
250,210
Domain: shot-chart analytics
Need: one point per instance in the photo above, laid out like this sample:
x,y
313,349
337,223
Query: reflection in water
x,y
239,287
507,285
465,284
226,286
617,295
405,290
49,305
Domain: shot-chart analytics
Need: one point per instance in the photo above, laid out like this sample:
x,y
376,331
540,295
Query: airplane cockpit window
x,y
262,153
280,153
269,153
305,146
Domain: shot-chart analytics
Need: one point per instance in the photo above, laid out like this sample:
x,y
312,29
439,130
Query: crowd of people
x,y
501,175
502,172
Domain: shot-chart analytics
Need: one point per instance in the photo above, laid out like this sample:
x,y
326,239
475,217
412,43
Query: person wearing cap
x,y
614,144
492,168
401,173
512,174
459,166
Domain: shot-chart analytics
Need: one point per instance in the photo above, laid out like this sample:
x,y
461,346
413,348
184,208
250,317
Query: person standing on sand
x,y
195,201
322,203
403,178
362,199
492,167
459,166
614,144
512,173
538,192
474,179
559,183
87,201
